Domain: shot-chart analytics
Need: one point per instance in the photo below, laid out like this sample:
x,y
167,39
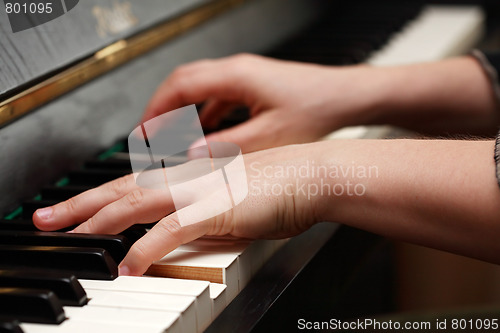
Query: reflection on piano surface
x,y
58,282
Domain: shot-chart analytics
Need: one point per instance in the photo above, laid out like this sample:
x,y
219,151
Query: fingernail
x,y
45,213
123,270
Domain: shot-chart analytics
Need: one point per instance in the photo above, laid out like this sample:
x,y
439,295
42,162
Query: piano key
x,y
221,245
250,254
18,224
87,263
81,326
61,193
116,245
22,224
184,305
134,233
219,299
213,267
30,206
436,33
108,164
146,158
197,289
439,32
31,305
150,320
94,177
64,285
10,326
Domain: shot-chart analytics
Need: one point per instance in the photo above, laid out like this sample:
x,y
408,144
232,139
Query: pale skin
x,y
438,193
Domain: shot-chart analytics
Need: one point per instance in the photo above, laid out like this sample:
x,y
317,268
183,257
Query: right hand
x,y
289,102
275,207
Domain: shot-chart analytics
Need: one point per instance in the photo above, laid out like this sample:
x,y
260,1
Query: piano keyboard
x,y
437,33
205,275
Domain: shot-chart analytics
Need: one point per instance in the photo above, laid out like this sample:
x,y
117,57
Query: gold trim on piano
x,y
107,59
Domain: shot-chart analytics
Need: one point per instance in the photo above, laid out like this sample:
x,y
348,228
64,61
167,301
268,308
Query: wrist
x,y
363,96
452,96
336,177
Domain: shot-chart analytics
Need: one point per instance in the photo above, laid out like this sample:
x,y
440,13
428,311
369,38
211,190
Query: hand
x,y
115,206
289,102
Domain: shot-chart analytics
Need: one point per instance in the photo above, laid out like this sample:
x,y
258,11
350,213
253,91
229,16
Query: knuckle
x,y
222,224
91,224
135,198
71,205
139,250
240,64
171,228
243,57
119,186
181,71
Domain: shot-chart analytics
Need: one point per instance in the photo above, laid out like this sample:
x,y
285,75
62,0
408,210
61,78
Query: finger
x,y
214,111
138,206
260,132
164,237
195,83
82,206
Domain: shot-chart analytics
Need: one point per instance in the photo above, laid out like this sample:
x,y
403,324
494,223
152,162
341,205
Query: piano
x,y
72,89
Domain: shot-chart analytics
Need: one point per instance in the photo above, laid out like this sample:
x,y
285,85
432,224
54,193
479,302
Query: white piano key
x,y
150,319
278,243
184,305
222,245
259,252
197,289
86,327
213,267
352,132
251,254
437,33
239,248
218,296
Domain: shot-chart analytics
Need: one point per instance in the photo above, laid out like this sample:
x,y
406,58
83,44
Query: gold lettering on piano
x,y
111,21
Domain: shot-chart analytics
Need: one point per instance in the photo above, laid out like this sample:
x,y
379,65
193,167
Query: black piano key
x,y
116,245
227,123
10,326
134,233
30,206
31,305
239,114
18,224
84,263
356,54
64,285
62,193
23,225
109,164
94,177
